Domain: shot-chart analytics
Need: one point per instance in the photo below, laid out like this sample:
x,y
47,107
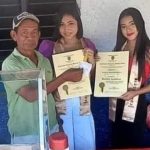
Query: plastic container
x,y
58,141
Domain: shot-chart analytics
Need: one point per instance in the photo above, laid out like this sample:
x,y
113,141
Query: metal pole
x,y
24,4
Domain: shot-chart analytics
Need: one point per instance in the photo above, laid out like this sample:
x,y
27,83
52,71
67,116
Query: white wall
x,y
100,18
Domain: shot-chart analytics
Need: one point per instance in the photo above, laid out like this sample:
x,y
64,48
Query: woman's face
x,y
68,27
128,28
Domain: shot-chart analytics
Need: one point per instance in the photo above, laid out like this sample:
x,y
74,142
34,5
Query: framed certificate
x,y
111,74
65,61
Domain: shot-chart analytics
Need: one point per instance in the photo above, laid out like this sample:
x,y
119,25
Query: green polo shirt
x,y
23,115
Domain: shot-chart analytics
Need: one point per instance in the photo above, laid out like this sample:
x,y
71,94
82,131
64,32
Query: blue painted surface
x,y
102,125
4,134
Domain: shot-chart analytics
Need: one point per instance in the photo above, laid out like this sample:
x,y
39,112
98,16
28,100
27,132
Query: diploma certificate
x,y
65,61
111,74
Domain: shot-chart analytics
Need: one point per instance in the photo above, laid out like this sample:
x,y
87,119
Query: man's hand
x,y
73,74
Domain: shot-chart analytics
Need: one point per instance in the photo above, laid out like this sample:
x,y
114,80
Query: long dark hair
x,y
142,41
75,13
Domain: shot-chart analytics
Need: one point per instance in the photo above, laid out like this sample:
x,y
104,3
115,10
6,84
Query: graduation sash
x,y
130,106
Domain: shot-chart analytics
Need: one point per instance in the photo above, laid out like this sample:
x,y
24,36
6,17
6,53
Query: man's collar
x,y
17,53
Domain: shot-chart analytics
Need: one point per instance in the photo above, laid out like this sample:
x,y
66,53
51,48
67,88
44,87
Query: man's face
x,y
26,36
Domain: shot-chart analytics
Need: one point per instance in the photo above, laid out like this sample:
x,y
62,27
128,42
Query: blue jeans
x,y
79,129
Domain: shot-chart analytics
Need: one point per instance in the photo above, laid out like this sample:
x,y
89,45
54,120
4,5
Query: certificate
x,y
65,61
111,74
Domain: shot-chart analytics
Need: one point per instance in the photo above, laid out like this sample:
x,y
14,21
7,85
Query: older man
x,y
22,100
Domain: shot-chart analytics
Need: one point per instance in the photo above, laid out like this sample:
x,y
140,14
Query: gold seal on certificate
x,y
65,61
111,74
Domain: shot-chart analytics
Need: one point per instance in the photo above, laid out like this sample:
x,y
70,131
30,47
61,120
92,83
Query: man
x,y
22,100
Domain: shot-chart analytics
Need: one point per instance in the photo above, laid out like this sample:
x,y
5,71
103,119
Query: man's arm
x,y
30,93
